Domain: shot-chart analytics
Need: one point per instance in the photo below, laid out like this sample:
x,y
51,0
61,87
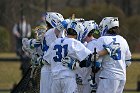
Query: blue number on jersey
x,y
118,52
59,50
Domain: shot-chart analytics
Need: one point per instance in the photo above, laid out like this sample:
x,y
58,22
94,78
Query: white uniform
x,y
63,77
113,73
91,45
46,79
85,72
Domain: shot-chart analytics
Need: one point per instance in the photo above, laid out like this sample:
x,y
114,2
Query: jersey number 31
x,y
61,51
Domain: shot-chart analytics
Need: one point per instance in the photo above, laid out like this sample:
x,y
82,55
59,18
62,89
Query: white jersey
x,y
46,77
92,44
63,47
85,72
50,36
114,68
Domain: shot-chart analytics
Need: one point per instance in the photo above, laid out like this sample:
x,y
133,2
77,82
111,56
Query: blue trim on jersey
x,y
45,47
62,40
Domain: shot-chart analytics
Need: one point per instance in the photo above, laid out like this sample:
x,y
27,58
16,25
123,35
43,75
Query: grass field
x,y
10,74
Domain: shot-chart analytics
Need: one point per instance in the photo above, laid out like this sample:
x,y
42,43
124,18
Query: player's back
x,y
61,48
114,67
50,36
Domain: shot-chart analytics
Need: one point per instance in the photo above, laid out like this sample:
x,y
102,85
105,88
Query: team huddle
x,y
73,60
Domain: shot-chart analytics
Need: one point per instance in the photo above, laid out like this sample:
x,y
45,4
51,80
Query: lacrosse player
x,y
113,73
84,72
87,36
51,35
53,19
91,29
64,77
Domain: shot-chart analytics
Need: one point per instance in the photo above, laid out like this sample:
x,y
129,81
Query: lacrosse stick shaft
x,y
94,63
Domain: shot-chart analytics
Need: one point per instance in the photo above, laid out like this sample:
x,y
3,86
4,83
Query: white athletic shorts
x,y
45,80
64,85
110,86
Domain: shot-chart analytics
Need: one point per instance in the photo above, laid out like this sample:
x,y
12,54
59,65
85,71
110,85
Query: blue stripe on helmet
x,y
53,23
64,23
85,32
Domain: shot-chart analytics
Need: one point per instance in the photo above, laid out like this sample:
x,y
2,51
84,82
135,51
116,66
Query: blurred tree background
x,y
128,12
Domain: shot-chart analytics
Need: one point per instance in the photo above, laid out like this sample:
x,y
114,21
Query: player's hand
x,y
92,85
78,80
41,61
68,62
92,57
93,88
96,68
36,44
34,61
24,44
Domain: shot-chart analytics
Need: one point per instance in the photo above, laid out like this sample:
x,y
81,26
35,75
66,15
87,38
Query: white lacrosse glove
x,y
69,62
24,44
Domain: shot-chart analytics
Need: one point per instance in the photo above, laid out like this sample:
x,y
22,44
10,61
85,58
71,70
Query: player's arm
x,y
128,57
77,54
74,64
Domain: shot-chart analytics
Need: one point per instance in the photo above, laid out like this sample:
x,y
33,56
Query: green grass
x,y
9,55
133,75
10,73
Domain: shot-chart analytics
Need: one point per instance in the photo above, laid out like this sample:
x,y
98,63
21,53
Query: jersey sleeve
x,y
99,44
93,44
47,55
78,51
128,53
50,37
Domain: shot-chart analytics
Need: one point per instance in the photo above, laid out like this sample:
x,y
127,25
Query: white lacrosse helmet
x,y
67,21
77,27
54,18
79,19
108,23
89,25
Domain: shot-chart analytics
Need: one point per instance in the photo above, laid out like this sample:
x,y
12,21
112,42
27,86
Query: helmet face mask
x,y
107,23
40,31
62,25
